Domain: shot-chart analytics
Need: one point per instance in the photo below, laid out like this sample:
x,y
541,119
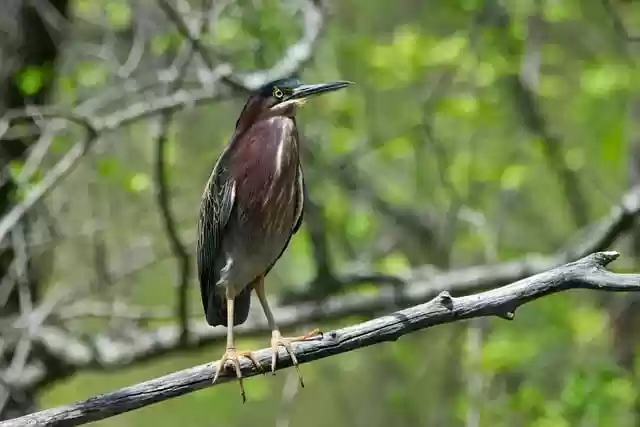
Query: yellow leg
x,y
276,338
231,354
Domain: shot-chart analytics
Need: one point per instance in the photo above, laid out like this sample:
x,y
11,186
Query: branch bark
x,y
586,273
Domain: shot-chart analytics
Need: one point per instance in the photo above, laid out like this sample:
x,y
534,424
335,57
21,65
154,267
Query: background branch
x,y
586,273
420,284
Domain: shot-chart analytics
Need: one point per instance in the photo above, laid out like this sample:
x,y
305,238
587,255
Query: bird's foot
x,y
232,355
278,340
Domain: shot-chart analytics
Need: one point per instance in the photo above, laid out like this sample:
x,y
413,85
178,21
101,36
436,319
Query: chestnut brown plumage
x,y
251,206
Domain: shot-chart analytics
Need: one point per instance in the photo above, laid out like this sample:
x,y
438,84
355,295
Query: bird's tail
x,y
216,312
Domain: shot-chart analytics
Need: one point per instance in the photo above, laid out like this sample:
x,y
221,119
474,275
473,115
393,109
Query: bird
x,y
251,206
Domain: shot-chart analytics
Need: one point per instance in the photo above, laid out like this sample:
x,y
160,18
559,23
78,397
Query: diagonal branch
x,y
414,287
586,273
296,56
618,25
598,236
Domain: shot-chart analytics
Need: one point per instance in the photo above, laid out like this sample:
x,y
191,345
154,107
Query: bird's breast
x,y
264,163
265,167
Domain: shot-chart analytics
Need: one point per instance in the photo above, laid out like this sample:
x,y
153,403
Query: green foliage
x,y
118,13
31,80
139,182
107,167
91,74
394,263
166,42
602,80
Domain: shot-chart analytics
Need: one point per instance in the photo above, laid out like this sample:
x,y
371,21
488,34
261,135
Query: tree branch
x,y
587,273
293,59
296,56
103,352
598,236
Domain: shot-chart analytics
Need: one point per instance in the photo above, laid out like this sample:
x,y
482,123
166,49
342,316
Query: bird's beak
x,y
303,92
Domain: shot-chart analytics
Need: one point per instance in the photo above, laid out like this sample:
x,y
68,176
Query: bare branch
x,y
586,273
120,310
295,57
63,168
102,352
395,291
618,24
177,245
596,237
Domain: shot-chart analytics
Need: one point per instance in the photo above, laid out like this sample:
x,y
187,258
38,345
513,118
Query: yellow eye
x,y
277,93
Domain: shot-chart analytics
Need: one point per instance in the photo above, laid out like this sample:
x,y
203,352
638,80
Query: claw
x,y
278,340
232,355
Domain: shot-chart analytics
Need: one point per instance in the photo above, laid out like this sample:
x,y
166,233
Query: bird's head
x,y
282,98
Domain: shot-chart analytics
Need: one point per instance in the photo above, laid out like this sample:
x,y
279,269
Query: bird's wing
x,y
218,200
299,201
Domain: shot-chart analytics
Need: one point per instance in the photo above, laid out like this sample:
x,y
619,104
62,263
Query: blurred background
x,y
484,140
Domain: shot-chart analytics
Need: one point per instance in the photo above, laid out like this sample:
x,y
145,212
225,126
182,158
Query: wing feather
x,y
218,201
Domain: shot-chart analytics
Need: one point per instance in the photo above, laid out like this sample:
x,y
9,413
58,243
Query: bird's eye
x,y
277,93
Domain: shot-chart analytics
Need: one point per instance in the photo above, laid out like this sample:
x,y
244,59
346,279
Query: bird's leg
x,y
276,338
231,354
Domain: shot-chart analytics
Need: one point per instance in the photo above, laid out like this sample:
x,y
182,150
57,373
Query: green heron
x,y
251,206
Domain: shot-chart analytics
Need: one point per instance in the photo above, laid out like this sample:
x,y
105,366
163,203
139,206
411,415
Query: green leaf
x,y
227,29
91,74
558,11
60,144
119,13
107,166
397,63
394,263
68,88
448,50
15,168
621,389
551,421
513,177
485,73
340,141
139,182
358,224
165,42
507,350
336,203
398,147
601,81
458,171
406,42
31,80
586,323
462,105
575,158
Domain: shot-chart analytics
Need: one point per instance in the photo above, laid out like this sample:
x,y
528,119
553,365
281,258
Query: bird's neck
x,y
276,135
